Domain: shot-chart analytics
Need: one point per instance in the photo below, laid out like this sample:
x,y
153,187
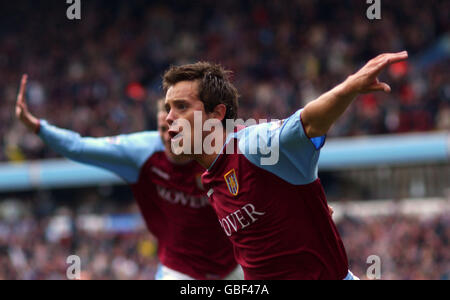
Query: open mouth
x,y
174,135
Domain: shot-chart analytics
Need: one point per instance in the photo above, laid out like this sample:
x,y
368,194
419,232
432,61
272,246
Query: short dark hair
x,y
214,85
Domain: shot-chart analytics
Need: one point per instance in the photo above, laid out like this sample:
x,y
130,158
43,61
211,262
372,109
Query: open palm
x,y
22,112
366,80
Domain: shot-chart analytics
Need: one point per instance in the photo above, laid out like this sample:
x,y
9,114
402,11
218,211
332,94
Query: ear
x,y
219,112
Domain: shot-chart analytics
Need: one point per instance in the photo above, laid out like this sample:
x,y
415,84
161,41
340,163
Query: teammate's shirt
x,y
171,198
276,215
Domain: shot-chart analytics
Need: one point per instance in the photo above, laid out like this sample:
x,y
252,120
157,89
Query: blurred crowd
x,y
101,75
26,254
35,243
39,232
409,248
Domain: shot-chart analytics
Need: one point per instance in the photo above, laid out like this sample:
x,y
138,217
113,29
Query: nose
x,y
170,117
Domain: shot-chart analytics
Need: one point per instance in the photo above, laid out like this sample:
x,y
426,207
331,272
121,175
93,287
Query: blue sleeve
x,y
123,155
283,148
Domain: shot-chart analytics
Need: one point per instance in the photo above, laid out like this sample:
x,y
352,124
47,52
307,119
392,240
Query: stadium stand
x,y
102,77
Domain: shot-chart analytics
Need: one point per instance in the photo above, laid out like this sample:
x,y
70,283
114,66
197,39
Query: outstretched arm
x,y
123,155
319,115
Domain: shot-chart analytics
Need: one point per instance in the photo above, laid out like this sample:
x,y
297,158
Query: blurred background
x,y
385,167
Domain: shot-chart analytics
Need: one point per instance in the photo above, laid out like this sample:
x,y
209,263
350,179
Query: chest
x,y
174,184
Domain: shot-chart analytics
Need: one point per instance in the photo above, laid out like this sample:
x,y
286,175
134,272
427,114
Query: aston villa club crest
x,y
232,182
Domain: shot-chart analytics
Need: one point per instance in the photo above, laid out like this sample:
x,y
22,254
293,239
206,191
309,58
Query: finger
x,y
380,87
391,59
23,84
373,62
379,58
18,111
403,54
385,87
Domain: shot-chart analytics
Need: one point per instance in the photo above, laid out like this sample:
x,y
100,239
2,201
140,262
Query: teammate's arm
x,y
122,155
319,115
22,113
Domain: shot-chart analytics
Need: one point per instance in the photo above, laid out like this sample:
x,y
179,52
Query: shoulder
x,y
138,140
139,146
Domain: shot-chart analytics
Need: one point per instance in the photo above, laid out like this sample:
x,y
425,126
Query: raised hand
x,y
22,113
366,80
319,115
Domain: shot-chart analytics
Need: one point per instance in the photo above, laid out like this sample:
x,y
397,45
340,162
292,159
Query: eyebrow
x,y
177,101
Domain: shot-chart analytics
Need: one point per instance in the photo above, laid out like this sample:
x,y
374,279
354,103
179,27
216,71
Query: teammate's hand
x,y
22,112
330,210
366,80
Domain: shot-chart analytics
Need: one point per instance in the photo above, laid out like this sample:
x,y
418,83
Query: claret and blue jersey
x,y
171,197
275,212
264,190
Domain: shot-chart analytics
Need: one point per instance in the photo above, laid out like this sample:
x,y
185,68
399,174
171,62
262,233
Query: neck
x,y
177,159
206,160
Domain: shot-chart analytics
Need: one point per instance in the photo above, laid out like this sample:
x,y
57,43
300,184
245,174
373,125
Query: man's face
x,y
182,102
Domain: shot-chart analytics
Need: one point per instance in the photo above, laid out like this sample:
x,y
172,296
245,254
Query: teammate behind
x,y
167,188
275,214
